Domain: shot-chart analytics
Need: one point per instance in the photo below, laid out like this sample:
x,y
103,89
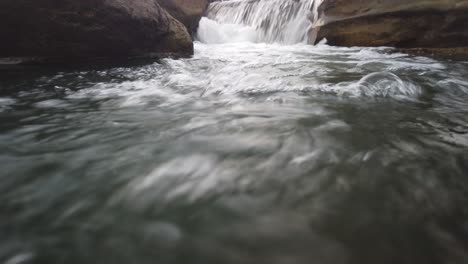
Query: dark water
x,y
245,153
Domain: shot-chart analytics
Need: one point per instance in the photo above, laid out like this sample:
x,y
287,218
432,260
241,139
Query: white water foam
x,y
275,21
376,85
213,32
227,72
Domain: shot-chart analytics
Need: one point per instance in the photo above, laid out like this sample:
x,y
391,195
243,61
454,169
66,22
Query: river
x,y
247,152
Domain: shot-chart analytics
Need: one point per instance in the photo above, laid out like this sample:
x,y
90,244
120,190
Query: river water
x,y
245,153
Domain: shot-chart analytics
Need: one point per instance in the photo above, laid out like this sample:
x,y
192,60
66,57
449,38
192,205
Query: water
x,y
279,21
245,153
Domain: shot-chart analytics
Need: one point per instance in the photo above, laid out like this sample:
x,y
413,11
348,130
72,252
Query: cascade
x,y
275,21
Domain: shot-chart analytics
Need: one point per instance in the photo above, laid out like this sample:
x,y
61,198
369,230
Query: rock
x,y
397,23
189,12
69,30
343,9
459,53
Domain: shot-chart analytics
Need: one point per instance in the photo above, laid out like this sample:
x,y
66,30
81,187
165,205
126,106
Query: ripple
x,y
385,84
52,103
244,153
6,103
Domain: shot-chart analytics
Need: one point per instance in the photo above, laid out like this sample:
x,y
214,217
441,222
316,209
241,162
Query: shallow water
x,y
245,153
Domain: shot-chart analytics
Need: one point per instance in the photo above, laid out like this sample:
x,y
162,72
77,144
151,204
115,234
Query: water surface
x,y
245,153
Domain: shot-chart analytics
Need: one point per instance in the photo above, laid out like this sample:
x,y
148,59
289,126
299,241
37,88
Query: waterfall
x,y
274,21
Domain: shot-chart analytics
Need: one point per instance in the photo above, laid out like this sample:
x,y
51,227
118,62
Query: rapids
x,y
248,152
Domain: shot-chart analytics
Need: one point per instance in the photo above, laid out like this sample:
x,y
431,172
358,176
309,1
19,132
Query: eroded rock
x,y
397,23
70,30
189,12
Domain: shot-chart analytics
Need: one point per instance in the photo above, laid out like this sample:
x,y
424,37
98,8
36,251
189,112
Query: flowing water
x,y
281,21
247,152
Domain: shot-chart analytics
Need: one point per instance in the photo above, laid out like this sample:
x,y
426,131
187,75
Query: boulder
x,y
71,30
345,9
189,12
397,23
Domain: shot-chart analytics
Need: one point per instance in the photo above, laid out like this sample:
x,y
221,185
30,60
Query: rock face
x,y
69,30
188,12
397,23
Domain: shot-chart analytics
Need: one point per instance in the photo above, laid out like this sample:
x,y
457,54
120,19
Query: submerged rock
x,y
70,30
397,23
188,12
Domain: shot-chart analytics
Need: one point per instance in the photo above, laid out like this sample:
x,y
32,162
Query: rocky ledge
x,y
49,31
433,25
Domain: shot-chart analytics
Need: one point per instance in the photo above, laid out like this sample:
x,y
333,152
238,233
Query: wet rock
x,y
68,30
189,12
459,53
397,23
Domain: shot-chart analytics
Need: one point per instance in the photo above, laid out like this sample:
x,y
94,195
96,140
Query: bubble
x,y
386,84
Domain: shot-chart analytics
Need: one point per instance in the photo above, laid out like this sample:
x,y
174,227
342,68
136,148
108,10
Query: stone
x,y
189,12
49,31
396,23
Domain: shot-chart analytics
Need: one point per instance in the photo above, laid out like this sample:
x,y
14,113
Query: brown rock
x,y
345,9
397,23
189,12
70,30
459,53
